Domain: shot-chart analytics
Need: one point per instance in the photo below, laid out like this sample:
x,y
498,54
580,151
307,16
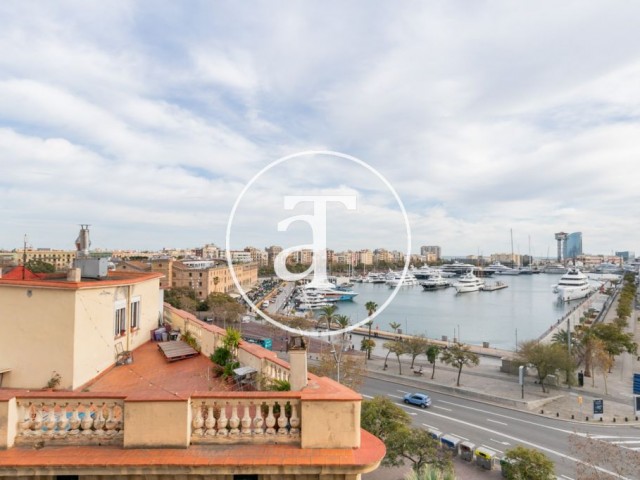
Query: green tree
x,y
395,326
380,417
371,309
36,265
396,347
430,472
528,464
433,351
417,446
615,340
367,345
232,339
416,346
547,358
458,356
327,315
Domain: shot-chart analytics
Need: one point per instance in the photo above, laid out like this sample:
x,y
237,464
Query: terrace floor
x,y
151,377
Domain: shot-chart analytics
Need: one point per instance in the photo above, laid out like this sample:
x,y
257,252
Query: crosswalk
x,y
631,443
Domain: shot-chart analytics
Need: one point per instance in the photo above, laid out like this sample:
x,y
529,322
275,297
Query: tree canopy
x,y
528,464
458,356
547,358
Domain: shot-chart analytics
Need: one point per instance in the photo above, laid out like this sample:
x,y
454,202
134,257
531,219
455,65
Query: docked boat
x,y
494,286
555,268
468,283
395,279
423,272
329,291
435,282
373,277
573,285
458,268
500,269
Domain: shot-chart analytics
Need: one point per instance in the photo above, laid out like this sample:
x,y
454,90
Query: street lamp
x,y
335,357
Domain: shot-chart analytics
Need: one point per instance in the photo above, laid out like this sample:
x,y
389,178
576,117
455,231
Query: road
x,y
280,299
499,428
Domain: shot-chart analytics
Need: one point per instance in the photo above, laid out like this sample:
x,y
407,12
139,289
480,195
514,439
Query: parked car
x,y
419,399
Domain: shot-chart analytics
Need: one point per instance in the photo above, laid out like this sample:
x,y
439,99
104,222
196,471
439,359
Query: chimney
x,y
74,275
298,361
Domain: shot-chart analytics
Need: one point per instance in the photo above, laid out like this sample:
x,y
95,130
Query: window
x,y
135,313
120,323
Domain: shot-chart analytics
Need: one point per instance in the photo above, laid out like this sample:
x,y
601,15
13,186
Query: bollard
x,y
557,414
626,419
600,418
541,411
614,419
572,416
586,419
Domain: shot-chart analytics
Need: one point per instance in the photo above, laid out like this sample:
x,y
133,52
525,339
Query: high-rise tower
x,y
560,238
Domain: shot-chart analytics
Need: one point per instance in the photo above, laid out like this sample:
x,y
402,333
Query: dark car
x,y
419,399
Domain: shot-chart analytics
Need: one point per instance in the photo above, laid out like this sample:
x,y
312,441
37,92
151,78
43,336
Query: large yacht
x,y
468,283
459,268
500,269
573,285
435,282
395,279
554,268
329,291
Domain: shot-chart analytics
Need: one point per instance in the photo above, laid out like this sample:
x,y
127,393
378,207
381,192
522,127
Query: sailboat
x,y
515,270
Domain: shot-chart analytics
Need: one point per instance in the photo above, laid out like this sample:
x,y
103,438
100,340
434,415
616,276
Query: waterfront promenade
x,y
486,383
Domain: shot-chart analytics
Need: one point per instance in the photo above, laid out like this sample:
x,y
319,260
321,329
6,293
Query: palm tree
x,y
395,326
371,309
342,321
327,315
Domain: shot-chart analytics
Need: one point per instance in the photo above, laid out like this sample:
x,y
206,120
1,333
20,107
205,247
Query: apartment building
x,y
151,418
204,276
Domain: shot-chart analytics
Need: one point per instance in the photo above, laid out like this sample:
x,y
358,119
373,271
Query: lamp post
x,y
335,357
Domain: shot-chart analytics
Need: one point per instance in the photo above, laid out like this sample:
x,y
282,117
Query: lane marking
x,y
531,444
442,408
623,442
459,436
492,448
514,419
500,442
430,426
366,396
568,478
496,421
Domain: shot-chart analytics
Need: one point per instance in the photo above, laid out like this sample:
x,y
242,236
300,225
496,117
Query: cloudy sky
x,y
146,120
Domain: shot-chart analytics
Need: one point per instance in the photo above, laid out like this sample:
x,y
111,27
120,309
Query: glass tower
x,y
573,245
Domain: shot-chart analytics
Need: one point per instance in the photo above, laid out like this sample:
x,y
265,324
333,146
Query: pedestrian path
x,y
487,383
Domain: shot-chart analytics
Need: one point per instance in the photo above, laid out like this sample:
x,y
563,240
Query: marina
x,y
523,309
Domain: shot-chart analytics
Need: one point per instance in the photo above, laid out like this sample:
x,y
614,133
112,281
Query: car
x,y
419,399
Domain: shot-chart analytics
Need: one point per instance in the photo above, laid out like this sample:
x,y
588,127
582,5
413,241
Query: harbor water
x,y
525,309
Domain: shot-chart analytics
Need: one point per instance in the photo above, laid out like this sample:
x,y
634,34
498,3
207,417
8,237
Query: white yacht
x,y
373,277
435,282
395,279
500,269
573,285
468,283
554,268
330,291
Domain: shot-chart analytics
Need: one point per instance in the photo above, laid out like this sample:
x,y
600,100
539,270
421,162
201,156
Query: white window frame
x,y
119,317
135,313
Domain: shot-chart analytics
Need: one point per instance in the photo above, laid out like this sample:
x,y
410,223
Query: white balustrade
x,y
70,421
245,420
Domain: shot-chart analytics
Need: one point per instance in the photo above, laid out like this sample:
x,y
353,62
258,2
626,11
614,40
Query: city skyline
x,y
147,120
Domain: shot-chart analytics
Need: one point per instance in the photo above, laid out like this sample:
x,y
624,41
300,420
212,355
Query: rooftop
x,y
59,280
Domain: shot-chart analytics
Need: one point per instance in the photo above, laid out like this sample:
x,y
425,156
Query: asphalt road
x,y
499,428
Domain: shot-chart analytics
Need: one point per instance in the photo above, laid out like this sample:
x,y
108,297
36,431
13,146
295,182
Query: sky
x,y
147,120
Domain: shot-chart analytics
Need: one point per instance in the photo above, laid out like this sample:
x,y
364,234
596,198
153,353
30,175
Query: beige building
x,y
149,417
61,259
72,326
204,276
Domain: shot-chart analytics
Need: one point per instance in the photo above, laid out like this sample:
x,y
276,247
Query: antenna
x,y
24,255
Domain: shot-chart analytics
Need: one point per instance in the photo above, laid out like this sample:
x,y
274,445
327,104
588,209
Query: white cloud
x,y
147,121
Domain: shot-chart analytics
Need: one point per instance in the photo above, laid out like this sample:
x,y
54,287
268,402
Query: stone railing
x,y
275,371
70,421
245,420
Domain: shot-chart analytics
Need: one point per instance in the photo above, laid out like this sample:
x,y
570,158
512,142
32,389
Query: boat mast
x,y
513,260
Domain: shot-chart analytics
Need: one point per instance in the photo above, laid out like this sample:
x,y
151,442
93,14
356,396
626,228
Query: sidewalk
x,y
487,383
